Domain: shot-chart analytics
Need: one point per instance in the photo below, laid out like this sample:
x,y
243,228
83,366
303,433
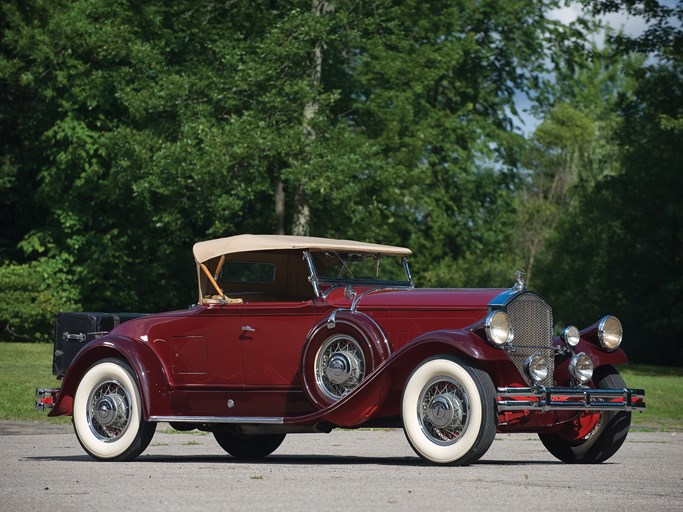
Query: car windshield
x,y
340,267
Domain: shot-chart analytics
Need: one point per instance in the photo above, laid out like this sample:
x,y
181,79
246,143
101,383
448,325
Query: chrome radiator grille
x,y
532,322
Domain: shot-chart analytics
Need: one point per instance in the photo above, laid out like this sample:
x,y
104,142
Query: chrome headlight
x,y
537,367
498,328
581,368
610,333
571,336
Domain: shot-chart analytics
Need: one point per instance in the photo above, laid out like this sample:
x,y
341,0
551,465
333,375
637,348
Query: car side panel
x,y
200,348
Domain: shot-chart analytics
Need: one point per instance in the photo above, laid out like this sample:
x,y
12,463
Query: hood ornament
x,y
520,285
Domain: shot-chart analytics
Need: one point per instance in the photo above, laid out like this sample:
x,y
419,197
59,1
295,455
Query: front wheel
x,y
107,413
243,446
605,435
448,411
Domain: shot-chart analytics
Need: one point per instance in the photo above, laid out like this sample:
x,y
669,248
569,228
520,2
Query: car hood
x,y
422,299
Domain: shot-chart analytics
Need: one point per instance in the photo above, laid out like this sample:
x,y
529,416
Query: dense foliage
x,y
130,130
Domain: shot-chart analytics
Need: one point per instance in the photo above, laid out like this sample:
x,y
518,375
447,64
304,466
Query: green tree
x,y
621,253
136,129
574,147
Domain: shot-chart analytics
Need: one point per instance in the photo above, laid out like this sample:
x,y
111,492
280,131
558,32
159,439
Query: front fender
x,y
601,357
598,356
151,376
379,395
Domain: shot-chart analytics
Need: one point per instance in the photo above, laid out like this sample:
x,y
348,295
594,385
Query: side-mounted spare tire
x,y
338,356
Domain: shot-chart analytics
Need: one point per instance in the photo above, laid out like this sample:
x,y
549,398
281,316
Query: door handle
x,y
247,328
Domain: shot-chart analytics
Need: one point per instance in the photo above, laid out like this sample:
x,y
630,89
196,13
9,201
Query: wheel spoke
x,y
443,410
340,366
109,410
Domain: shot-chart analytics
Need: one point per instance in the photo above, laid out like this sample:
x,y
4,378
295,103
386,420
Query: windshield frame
x,y
317,280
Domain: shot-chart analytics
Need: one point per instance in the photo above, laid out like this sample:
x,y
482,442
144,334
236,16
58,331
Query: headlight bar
x,y
570,399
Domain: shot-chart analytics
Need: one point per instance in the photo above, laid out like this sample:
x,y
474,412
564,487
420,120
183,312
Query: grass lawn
x,y
27,366
23,368
663,395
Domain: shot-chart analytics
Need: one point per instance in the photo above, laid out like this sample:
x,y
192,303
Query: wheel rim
x,y
443,411
339,366
109,412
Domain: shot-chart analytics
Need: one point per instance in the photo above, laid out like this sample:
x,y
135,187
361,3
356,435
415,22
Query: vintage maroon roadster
x,y
298,334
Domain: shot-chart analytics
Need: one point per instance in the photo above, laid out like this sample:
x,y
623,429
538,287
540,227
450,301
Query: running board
x,y
219,419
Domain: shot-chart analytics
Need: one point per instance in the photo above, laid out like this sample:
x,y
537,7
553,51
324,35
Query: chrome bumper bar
x,y
570,399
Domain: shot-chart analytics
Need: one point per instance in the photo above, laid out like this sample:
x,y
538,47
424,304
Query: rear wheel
x,y
107,413
448,411
244,446
606,431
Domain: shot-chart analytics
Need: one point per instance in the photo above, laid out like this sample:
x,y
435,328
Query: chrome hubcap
x,y
443,410
108,409
339,366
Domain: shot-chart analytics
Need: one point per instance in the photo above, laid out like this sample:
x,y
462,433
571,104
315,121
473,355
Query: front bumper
x,y
570,399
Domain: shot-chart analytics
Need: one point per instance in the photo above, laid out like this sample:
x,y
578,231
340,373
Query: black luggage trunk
x,y
74,330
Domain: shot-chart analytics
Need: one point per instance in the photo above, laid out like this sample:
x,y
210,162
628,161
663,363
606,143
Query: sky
x,y
630,25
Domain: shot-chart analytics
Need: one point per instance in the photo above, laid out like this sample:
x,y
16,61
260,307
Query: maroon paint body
x,y
193,362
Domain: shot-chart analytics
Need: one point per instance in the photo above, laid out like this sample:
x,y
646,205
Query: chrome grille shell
x,y
532,322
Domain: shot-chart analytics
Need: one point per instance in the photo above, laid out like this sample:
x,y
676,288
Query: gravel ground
x,y
44,468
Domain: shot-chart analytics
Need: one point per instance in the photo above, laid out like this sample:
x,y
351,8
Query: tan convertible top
x,y
204,251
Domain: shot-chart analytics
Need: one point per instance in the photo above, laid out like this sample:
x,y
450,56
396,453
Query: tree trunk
x,y
302,217
280,206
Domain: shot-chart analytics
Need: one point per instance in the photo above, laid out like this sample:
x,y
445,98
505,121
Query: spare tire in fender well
x,y
366,348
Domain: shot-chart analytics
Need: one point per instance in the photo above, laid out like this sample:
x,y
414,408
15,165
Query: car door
x,y
271,339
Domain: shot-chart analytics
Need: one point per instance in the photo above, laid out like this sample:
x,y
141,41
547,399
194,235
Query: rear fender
x,y
149,371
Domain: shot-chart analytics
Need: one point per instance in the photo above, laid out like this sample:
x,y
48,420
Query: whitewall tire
x,y
448,410
107,413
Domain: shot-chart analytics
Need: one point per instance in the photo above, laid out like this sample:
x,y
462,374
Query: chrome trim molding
x,y
411,283
332,319
219,419
313,277
356,301
570,399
